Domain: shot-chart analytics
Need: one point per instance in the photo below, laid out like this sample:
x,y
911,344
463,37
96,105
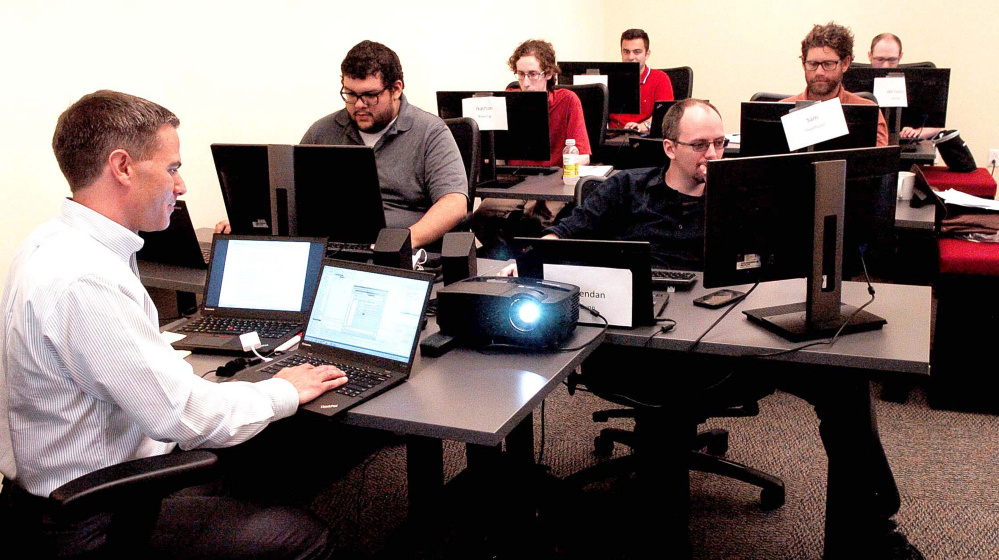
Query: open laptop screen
x,y
368,311
263,273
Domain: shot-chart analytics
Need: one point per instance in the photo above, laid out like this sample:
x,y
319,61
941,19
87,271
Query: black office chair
x,y
923,64
768,96
466,134
682,78
595,112
131,492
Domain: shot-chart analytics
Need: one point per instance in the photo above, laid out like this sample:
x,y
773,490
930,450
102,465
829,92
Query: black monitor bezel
x,y
623,82
527,137
761,132
927,90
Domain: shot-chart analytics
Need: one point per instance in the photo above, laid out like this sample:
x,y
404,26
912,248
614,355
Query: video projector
x,y
520,311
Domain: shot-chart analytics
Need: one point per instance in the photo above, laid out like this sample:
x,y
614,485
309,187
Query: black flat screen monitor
x,y
623,85
925,88
659,110
798,216
303,190
526,137
762,132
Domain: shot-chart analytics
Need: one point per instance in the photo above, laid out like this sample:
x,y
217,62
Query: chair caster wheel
x,y
603,446
771,498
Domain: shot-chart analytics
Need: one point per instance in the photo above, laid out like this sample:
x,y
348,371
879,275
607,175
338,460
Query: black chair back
x,y
595,111
682,78
768,96
586,185
466,134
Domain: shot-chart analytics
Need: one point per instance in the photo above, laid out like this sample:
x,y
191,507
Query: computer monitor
x,y
301,190
926,89
798,215
659,109
762,132
526,137
623,85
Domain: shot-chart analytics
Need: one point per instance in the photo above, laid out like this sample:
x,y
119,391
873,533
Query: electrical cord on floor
x,y
732,306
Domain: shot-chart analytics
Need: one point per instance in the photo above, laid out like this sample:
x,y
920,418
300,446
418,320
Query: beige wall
x,y
262,72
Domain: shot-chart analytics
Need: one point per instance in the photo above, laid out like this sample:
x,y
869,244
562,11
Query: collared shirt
x,y
638,205
846,97
86,381
655,86
418,160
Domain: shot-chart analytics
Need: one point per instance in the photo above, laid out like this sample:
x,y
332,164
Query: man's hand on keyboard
x,y
311,381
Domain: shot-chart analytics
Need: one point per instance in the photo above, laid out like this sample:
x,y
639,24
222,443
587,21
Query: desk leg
x,y
425,475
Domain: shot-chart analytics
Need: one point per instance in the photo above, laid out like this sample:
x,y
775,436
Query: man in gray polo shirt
x,y
423,181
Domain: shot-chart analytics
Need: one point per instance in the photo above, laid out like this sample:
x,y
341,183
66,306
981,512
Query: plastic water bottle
x,y
570,162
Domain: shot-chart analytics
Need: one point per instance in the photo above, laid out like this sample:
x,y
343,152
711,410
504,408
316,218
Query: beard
x,y
821,87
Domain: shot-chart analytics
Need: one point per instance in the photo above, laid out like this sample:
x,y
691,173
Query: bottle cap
x,y
570,142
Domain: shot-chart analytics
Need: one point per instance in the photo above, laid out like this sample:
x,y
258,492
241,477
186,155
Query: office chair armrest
x,y
138,480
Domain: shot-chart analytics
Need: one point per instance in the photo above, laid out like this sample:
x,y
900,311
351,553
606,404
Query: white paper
x,y
951,196
598,170
489,112
580,79
890,91
608,290
815,123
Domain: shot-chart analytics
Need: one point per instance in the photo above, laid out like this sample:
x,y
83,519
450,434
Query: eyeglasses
x,y
883,60
370,98
532,75
702,146
827,65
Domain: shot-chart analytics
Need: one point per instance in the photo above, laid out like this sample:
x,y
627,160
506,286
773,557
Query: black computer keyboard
x,y
224,325
359,379
349,251
680,279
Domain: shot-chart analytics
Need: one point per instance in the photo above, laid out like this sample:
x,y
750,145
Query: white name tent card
x,y
890,91
489,112
813,124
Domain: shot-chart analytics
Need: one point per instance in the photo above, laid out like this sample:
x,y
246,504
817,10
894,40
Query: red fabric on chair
x,y
958,256
978,183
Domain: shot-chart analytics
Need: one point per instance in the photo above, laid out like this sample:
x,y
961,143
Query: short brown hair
x,y
832,35
884,36
671,120
369,58
541,50
100,123
636,34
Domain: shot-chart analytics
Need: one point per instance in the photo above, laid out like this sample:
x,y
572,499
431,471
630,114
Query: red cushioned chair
x,y
967,313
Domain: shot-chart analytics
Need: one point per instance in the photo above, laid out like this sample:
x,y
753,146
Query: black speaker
x,y
458,256
394,248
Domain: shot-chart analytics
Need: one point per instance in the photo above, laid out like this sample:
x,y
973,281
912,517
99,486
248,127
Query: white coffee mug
x,y
906,182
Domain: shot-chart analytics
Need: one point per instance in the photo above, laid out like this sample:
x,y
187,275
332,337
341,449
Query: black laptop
x,y
254,283
176,245
614,277
366,320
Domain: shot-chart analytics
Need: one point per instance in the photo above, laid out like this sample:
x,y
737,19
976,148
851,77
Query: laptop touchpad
x,y
207,340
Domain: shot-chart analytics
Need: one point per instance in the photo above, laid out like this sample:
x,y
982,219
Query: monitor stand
x,y
822,313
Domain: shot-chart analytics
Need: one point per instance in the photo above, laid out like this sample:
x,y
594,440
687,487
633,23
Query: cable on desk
x,y
663,329
734,304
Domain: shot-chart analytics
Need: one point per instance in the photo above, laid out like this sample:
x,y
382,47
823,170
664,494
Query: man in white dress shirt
x,y
86,381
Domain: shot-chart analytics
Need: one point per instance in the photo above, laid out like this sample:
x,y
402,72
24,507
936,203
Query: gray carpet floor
x,y
945,464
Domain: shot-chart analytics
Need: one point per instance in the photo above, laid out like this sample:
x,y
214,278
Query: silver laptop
x,y
366,320
254,283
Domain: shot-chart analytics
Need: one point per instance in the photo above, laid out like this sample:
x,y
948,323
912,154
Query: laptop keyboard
x,y
339,249
233,326
679,279
359,381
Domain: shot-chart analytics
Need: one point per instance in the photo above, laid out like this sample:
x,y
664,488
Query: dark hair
x,y
671,120
832,35
100,123
884,36
541,50
636,34
369,58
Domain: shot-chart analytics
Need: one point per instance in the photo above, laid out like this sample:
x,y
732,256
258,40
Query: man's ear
x,y
670,148
846,63
120,164
397,88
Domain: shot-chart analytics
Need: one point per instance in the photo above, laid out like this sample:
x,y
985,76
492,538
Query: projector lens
x,y
525,313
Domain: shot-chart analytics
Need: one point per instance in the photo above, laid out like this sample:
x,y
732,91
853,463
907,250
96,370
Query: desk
x,y
924,154
901,347
534,187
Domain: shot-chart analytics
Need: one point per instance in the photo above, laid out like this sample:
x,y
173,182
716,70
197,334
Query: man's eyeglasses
x,y
702,146
532,75
882,60
827,65
370,98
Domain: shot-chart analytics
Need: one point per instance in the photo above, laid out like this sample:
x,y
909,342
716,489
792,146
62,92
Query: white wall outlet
x,y
993,158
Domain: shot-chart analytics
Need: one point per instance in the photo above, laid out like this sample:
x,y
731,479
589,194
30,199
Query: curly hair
x,y
832,35
541,50
369,58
